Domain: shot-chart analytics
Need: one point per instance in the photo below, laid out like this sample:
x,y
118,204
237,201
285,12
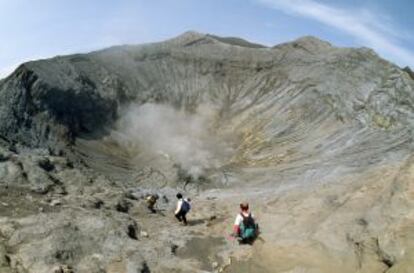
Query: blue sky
x,y
44,28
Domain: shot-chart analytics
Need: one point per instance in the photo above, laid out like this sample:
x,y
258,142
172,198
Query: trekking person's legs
x,y
184,218
181,217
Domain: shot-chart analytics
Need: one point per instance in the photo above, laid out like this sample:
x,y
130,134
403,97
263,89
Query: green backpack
x,y
247,227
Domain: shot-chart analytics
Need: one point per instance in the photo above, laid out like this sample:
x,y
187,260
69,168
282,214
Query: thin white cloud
x,y
362,24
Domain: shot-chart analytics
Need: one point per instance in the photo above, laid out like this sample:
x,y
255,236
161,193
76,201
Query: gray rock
x,y
144,234
55,202
74,237
123,205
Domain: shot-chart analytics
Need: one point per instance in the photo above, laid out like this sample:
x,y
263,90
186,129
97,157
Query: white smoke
x,y
154,131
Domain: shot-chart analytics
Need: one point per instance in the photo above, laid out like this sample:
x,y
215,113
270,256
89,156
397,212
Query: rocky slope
x,y
317,138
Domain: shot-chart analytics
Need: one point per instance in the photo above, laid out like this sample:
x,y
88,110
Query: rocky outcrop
x,y
409,71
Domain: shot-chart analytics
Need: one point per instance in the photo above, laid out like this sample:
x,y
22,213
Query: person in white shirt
x,y
245,227
183,207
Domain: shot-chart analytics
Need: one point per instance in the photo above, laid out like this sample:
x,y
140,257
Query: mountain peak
x,y
236,41
312,40
308,43
192,37
188,37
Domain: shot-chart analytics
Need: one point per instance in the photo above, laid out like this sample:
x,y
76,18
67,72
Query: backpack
x,y
185,206
248,227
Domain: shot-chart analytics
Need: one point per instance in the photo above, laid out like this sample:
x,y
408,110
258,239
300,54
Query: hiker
x,y
183,207
151,200
245,228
